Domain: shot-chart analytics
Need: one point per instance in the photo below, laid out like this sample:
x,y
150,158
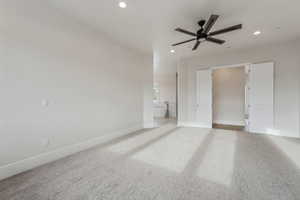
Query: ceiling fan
x,y
204,32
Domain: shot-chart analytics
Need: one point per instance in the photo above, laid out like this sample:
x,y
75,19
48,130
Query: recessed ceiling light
x,y
257,33
172,51
122,4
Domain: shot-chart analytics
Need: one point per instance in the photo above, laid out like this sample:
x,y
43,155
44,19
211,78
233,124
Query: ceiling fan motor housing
x,y
200,34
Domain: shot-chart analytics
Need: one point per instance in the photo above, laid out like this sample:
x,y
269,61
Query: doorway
x,y
229,97
248,103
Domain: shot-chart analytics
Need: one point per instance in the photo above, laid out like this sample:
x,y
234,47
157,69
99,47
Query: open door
x,y
261,98
204,98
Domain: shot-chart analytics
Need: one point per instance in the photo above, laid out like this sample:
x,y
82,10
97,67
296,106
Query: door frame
x,y
247,68
182,112
177,97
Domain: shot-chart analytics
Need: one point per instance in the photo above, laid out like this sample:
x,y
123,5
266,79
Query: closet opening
x,y
229,98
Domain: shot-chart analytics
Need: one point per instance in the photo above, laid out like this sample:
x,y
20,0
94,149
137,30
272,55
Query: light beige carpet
x,y
169,163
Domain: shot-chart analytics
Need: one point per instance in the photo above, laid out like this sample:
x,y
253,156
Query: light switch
x,y
45,102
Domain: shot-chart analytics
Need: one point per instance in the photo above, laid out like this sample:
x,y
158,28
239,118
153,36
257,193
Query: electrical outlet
x,y
45,102
45,142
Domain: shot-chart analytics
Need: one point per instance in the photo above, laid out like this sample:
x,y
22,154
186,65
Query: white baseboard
x,y
38,160
274,132
234,123
193,124
149,124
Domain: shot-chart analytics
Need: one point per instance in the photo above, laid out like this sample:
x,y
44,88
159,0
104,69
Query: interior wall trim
x,y
234,123
41,159
193,124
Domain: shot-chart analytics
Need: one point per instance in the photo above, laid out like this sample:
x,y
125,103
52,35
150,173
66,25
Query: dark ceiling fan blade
x,y
185,31
209,24
183,42
225,30
196,45
215,40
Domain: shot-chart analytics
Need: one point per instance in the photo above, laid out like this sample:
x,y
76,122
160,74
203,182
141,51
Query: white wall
x,y
229,96
167,91
63,83
148,95
165,80
287,77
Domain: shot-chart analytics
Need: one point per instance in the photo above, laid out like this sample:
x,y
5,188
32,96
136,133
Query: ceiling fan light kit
x,y
204,33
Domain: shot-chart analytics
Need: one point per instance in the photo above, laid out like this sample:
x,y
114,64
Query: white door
x,y
204,98
261,98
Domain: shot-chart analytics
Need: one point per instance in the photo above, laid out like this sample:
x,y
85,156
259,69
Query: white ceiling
x,y
148,25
